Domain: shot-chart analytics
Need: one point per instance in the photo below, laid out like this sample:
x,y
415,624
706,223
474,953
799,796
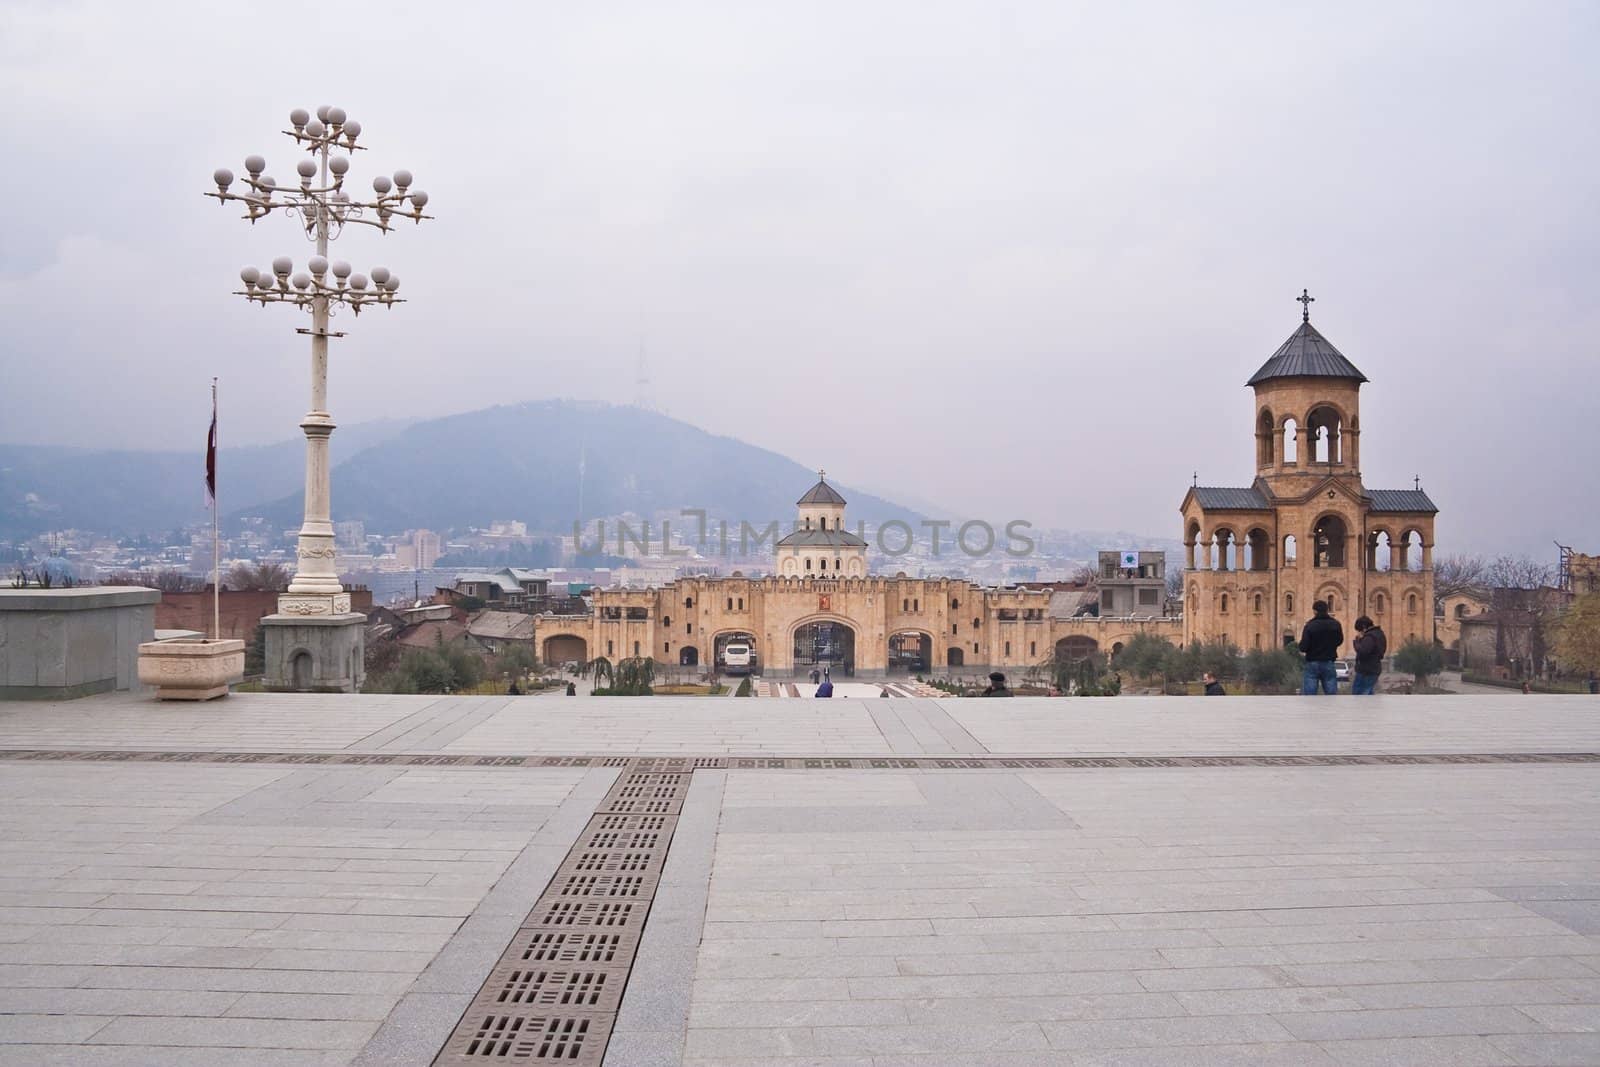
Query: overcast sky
x,y
1016,259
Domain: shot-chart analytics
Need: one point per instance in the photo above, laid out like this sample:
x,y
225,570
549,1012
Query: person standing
x,y
997,686
1371,646
1319,643
1213,687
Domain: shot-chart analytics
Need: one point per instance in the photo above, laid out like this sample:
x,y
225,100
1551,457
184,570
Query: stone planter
x,y
191,670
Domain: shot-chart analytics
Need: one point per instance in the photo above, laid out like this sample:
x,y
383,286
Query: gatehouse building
x,y
820,608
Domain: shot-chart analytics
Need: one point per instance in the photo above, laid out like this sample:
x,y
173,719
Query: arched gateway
x,y
826,644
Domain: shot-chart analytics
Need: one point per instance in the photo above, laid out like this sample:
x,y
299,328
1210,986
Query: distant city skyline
x,y
1020,262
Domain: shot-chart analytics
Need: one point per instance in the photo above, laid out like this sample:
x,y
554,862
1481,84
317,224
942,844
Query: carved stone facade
x,y
1306,528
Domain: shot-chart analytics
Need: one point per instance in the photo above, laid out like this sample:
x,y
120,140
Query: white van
x,y
738,659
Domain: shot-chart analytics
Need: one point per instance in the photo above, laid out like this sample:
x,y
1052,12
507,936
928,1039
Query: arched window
x,y
1291,445
1259,550
1288,549
916,604
688,602
1325,433
808,563
1377,603
666,620
976,623
1224,603
1192,545
1328,542
1380,550
730,603
1461,611
1223,558
954,603
1288,603
905,604
808,522
1333,601
1411,604
636,649
1033,648
610,649
1266,436
1258,604
1410,551
1008,648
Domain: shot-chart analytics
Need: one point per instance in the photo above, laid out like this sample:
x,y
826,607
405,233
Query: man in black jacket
x,y
1320,642
1370,646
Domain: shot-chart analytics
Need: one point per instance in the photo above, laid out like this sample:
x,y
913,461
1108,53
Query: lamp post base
x,y
315,653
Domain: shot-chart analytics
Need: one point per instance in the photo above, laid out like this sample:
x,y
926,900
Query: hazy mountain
x,y
522,462
125,492
509,462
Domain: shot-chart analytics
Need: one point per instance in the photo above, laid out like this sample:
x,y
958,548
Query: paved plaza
x,y
301,879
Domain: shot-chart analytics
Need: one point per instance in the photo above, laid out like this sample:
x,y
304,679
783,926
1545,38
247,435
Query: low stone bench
x,y
60,644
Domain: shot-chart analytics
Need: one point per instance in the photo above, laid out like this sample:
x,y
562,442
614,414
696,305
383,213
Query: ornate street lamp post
x,y
315,641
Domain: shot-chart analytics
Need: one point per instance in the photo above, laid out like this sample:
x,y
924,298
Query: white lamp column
x,y
326,656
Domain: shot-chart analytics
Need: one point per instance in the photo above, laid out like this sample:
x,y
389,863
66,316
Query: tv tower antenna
x,y
583,450
641,383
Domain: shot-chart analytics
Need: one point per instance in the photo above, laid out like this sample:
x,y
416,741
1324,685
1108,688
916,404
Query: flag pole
x,y
216,535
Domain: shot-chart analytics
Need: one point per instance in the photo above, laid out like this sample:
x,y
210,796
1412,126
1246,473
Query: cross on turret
x,y
1304,300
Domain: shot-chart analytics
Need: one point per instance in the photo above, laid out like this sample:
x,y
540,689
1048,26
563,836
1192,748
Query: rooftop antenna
x,y
641,383
583,450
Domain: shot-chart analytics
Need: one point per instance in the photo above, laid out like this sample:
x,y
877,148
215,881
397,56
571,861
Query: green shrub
x,y
1419,658
1278,670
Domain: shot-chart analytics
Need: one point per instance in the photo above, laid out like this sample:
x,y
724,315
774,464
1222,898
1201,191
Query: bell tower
x,y
1306,528
1308,410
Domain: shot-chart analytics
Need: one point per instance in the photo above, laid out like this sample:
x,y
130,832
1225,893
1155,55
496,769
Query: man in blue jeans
x,y
1320,642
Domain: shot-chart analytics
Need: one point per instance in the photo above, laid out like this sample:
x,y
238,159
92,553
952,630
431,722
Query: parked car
x,y
1341,670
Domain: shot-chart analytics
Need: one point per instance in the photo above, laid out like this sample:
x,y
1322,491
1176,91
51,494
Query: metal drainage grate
x,y
623,840
555,993
607,886
574,989
572,946
631,823
543,1037
615,862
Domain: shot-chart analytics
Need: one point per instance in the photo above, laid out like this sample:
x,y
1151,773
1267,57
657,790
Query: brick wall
x,y
240,610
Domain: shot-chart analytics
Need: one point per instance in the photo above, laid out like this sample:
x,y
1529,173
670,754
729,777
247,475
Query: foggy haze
x,y
1015,259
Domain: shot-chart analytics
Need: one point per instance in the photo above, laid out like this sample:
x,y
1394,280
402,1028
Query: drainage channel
x,y
555,992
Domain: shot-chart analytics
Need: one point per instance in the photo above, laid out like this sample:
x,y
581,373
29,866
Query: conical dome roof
x,y
821,493
1306,354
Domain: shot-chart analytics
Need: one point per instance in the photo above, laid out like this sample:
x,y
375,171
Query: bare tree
x,y
1175,583
1518,572
168,580
271,577
1086,576
1453,575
